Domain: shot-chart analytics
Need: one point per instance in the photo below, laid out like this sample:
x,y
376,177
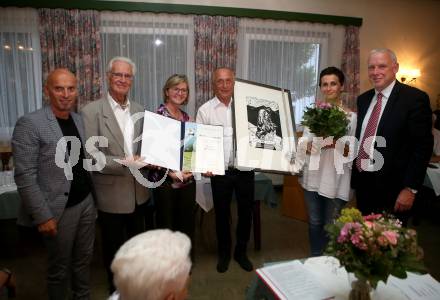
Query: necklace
x,y
175,113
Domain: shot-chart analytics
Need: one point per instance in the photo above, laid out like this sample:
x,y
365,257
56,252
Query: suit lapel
x,y
388,108
56,129
364,104
79,126
53,123
112,123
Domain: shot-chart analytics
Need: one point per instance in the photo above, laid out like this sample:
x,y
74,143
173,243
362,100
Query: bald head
x,y
59,72
61,90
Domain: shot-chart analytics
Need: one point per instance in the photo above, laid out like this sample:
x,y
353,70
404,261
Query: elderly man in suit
x,y
394,131
121,199
56,199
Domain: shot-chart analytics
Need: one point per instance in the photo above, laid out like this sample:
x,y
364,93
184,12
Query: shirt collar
x,y
386,92
115,104
217,102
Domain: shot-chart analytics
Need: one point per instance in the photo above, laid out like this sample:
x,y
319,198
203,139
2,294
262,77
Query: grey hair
x,y
152,265
124,59
214,74
385,50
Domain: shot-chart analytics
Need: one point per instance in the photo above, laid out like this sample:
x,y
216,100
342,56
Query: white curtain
x,y
160,44
288,55
20,67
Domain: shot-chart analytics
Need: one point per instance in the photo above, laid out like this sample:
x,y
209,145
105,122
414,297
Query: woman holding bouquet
x,y
175,198
326,188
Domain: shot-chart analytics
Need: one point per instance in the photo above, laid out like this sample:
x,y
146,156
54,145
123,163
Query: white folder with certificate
x,y
182,146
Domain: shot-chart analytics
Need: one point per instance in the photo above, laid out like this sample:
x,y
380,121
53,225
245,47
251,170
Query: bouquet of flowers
x,y
374,246
325,119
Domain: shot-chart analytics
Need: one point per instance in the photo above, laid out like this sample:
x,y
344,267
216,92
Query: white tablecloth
x,y
434,178
9,200
7,183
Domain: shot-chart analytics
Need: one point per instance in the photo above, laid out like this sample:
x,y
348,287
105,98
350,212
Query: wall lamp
x,y
408,75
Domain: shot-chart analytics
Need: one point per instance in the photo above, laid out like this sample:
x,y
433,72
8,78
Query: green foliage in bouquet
x,y
326,120
374,246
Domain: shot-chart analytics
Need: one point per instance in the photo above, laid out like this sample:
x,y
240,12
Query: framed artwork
x,y
264,127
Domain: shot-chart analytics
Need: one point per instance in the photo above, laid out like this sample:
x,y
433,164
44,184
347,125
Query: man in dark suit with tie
x,y
395,140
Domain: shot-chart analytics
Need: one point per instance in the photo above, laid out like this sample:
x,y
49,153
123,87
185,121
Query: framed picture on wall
x,y
264,127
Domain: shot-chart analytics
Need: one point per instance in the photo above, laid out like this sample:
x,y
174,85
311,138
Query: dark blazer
x,y
406,126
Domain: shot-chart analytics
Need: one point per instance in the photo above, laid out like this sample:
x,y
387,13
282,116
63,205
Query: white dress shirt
x,y
214,112
325,180
386,92
125,122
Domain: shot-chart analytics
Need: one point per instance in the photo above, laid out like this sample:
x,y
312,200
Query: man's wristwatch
x,y
412,190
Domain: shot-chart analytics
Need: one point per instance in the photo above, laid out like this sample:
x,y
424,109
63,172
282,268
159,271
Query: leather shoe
x,y
223,264
244,262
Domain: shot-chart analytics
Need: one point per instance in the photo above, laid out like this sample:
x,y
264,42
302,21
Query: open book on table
x,y
292,281
182,146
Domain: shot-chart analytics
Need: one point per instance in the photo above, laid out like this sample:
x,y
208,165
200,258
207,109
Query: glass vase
x,y
360,290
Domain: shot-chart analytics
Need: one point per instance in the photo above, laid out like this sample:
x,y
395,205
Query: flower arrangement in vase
x,y
373,247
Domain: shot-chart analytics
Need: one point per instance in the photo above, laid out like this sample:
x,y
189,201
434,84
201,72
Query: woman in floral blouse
x,y
175,198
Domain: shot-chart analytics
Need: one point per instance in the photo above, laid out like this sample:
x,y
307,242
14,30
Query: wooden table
x,y
293,204
5,156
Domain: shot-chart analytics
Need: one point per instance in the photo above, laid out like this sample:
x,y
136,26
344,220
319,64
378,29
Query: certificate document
x,y
209,153
183,146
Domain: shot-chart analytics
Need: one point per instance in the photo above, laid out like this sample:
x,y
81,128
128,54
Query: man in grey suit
x,y
56,199
121,198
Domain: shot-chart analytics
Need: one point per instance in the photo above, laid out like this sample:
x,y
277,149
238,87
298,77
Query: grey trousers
x,y
70,252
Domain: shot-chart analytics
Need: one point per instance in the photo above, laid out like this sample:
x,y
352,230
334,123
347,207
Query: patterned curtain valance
x,y
215,45
70,39
351,65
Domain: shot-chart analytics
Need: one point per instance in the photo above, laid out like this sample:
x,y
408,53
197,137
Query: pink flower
x,y
369,224
372,217
351,232
343,235
355,238
391,236
323,105
382,241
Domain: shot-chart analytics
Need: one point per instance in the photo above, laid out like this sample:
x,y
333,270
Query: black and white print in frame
x,y
264,127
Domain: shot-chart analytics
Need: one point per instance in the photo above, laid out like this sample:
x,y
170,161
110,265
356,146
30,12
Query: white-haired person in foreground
x,y
154,265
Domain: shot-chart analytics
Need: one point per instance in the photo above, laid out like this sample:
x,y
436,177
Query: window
x,y
159,45
20,70
293,65
287,55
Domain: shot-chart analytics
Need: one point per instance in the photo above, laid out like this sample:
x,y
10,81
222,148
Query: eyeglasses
x,y
122,75
177,90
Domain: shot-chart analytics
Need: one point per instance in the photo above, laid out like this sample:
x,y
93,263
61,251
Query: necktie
x,y
369,131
